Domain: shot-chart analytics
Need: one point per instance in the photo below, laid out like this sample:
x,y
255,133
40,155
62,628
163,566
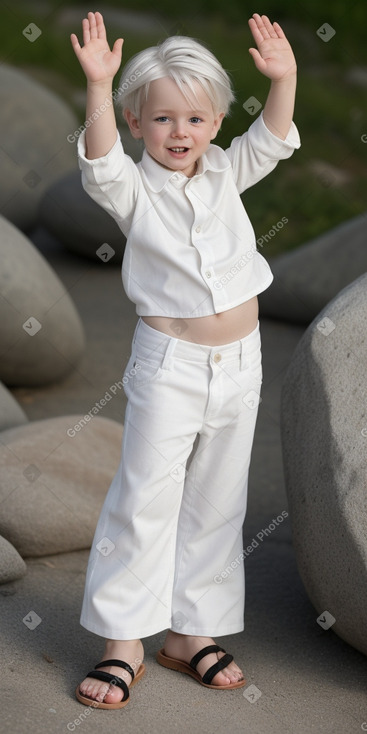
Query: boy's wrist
x,y
101,86
290,78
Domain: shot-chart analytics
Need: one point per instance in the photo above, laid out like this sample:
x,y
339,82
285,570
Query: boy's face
x,y
175,134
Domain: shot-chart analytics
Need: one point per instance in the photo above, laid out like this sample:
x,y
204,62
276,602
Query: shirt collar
x,y
157,176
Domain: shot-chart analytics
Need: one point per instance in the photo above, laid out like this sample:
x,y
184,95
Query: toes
x,y
227,676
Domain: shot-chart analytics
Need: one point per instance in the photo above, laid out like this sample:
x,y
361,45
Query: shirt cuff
x,y
81,148
106,167
266,140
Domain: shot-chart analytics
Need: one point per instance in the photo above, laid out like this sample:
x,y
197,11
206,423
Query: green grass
x,y
330,110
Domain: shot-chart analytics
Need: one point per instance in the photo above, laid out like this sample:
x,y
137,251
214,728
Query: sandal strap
x,y
222,663
214,669
111,679
118,664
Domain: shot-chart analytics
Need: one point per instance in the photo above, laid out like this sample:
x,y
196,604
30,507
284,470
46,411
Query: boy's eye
x,y
164,118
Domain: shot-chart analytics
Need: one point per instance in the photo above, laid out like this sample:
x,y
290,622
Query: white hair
x,y
184,60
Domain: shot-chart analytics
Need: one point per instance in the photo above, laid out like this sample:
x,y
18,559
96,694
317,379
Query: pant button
x,y
217,357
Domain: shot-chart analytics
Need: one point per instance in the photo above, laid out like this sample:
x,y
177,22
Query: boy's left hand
x,y
274,57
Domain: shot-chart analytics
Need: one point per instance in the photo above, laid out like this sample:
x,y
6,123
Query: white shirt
x,y
191,249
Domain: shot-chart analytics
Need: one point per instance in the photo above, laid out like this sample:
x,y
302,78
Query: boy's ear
x,y
216,125
133,123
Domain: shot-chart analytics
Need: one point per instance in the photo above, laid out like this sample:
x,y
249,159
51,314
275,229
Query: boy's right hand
x,y
98,62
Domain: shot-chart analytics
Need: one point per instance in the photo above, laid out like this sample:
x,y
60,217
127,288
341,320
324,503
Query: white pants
x,y
167,551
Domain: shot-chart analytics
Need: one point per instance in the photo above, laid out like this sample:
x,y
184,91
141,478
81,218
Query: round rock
x,y
12,566
41,335
69,213
34,125
11,414
307,278
53,484
324,436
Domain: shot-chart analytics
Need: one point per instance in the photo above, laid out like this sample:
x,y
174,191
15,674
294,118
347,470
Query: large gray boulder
x,y
324,436
34,125
12,566
69,213
11,414
41,335
307,278
53,480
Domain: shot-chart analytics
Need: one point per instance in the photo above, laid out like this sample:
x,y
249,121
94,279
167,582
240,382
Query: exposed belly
x,y
221,328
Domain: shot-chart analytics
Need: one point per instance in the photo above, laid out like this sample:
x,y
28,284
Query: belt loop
x,y
167,363
242,355
136,330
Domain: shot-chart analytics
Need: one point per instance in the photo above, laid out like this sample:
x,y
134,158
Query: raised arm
x,y
274,58
100,65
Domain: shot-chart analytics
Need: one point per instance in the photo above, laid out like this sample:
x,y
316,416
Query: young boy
x,y
172,519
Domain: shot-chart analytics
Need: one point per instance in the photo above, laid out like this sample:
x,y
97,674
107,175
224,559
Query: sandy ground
x,y
306,679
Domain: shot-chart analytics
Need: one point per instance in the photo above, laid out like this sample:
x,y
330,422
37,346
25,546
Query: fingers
x,y
75,43
100,25
93,27
258,59
117,47
278,30
262,28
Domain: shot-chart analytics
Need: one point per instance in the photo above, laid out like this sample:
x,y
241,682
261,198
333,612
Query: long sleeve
x,y
256,153
112,181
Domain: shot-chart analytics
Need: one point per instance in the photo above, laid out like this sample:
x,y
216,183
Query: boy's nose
x,y
179,131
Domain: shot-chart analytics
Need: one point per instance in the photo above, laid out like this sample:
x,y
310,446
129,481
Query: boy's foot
x,y
184,647
132,652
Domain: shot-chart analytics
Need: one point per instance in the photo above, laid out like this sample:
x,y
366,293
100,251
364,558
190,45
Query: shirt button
x,y
198,229
208,274
217,357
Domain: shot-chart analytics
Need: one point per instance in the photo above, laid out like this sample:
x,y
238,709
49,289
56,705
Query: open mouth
x,y
178,150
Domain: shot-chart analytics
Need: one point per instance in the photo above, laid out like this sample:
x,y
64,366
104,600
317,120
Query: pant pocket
x,y
254,362
146,367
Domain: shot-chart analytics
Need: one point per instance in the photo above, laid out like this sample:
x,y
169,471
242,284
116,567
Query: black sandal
x,y
112,680
190,668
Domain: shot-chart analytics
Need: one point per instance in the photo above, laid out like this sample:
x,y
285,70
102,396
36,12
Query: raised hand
x,y
97,60
274,56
